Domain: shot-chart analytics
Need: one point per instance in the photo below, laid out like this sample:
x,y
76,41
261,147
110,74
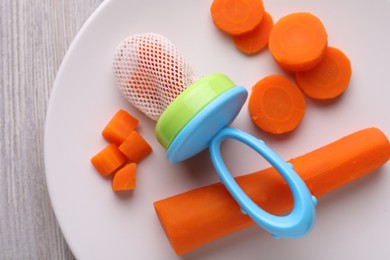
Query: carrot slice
x,y
202,215
236,17
329,79
119,127
108,160
298,41
135,148
125,178
276,105
257,39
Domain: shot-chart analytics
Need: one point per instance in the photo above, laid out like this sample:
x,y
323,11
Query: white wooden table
x,y
34,36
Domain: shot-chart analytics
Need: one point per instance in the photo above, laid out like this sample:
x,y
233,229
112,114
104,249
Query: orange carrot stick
x,y
135,148
119,127
125,178
108,160
329,79
298,41
200,216
257,39
236,17
276,105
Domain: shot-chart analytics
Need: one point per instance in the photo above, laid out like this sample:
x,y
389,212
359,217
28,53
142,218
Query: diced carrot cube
x,y
135,148
119,127
125,178
108,160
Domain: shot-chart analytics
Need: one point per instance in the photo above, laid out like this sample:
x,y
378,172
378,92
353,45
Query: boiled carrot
x,y
298,41
108,160
236,17
276,104
135,147
119,127
125,178
329,79
257,39
199,216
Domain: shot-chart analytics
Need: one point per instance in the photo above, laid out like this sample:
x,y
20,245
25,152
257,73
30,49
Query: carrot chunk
x,y
108,160
135,148
298,41
257,39
236,17
125,178
119,127
276,105
202,215
329,79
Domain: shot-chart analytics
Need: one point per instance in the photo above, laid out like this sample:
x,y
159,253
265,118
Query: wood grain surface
x,y
34,37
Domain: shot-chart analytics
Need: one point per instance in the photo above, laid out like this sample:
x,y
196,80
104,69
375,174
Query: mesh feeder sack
x,y
151,72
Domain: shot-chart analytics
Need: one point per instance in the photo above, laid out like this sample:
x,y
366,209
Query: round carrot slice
x,y
328,79
298,41
236,17
257,39
276,105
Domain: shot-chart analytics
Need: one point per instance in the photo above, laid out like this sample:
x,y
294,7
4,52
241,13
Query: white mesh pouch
x,y
151,72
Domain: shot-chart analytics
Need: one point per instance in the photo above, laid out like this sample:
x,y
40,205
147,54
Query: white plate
x,y
352,222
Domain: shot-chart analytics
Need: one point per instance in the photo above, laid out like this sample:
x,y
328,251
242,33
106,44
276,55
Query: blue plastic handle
x,y
208,129
299,221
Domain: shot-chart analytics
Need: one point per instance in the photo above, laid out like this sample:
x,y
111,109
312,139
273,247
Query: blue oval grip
x,y
299,221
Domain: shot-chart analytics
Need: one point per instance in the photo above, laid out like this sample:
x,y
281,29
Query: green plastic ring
x,y
188,104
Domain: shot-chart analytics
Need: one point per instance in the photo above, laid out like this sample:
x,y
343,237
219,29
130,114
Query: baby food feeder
x,y
193,114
